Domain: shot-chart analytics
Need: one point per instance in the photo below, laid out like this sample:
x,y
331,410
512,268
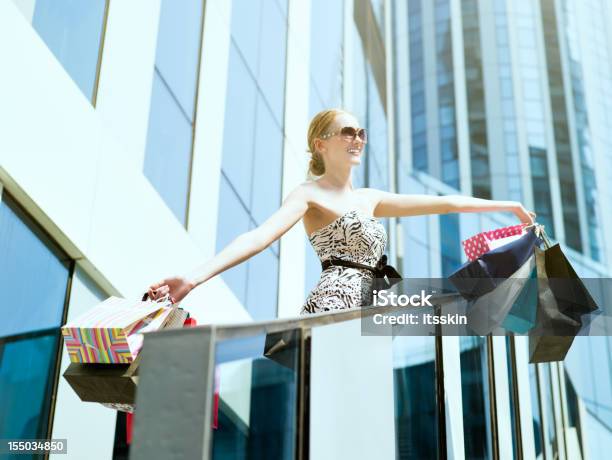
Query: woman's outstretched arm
x,y
398,205
240,249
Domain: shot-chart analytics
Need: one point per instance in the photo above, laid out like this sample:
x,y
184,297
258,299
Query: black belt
x,y
381,270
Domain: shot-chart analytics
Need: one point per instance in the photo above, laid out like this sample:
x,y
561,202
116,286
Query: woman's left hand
x,y
526,217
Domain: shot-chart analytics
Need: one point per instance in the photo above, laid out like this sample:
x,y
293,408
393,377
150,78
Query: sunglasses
x,y
349,133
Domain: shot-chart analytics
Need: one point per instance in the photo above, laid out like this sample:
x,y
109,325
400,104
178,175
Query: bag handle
x,y
540,233
164,299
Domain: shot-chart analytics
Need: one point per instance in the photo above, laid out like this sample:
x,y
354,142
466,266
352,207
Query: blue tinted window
x,y
170,134
168,157
262,288
252,145
414,385
36,274
72,29
326,52
475,397
267,429
450,242
178,49
267,165
233,220
27,369
271,73
33,272
377,151
239,126
246,30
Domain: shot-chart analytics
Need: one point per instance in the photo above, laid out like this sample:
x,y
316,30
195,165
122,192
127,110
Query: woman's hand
x,y
526,217
177,288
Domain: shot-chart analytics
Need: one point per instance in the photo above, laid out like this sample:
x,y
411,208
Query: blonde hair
x,y
319,125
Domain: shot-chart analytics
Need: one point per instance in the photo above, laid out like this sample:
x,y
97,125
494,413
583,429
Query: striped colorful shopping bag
x,y
112,331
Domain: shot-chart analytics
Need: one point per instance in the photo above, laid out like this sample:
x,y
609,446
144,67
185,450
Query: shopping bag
x,y
94,382
487,313
112,331
522,316
478,277
477,245
562,300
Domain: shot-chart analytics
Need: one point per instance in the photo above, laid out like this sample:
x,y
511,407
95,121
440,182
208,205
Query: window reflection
x,y
536,411
257,397
172,115
476,397
168,151
36,274
574,423
450,242
414,387
550,434
481,176
73,30
513,391
417,86
252,145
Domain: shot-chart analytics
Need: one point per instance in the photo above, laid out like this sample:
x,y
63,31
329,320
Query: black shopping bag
x,y
562,300
283,347
488,313
476,278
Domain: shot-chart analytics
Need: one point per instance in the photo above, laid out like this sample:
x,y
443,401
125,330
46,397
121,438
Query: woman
x,y
341,222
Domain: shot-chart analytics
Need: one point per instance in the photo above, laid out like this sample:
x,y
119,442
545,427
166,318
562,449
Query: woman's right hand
x,y
176,287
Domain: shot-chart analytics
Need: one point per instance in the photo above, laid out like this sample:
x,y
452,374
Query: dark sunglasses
x,y
349,133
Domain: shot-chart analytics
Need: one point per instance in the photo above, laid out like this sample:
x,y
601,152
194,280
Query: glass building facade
x,y
29,333
508,100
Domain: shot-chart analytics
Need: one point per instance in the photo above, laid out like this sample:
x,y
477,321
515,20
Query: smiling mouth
x,y
354,151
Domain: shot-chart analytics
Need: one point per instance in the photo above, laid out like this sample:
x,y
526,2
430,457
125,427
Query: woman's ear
x,y
319,145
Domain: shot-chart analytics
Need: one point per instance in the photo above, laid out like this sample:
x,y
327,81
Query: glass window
x,y
239,126
36,274
550,433
535,409
252,146
73,30
414,384
326,52
512,387
262,284
267,165
167,162
271,74
246,25
232,223
180,27
475,396
450,243
33,270
257,398
168,153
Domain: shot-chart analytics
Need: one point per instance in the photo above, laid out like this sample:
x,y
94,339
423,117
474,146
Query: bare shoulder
x,y
306,193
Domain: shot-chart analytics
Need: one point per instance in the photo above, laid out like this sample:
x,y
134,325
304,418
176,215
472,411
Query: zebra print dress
x,y
353,236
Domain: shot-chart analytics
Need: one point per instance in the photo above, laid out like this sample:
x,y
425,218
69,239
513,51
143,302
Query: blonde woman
x,y
340,221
